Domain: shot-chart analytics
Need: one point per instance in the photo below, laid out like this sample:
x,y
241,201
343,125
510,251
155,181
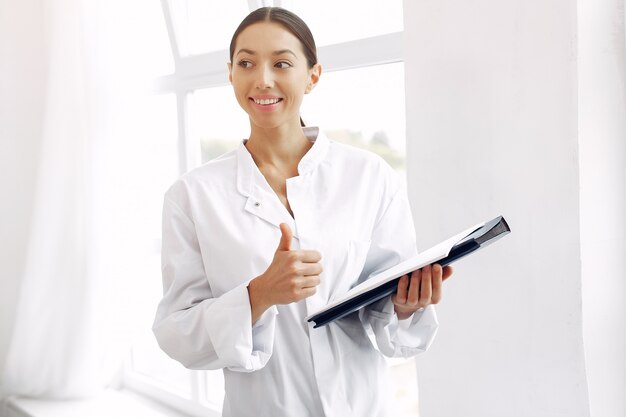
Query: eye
x,y
244,63
283,65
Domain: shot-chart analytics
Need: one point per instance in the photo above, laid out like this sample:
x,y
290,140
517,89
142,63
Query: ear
x,y
230,72
314,76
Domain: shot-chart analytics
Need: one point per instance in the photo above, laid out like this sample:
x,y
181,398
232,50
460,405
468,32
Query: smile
x,y
266,101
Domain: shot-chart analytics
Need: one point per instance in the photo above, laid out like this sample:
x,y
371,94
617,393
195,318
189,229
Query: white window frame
x,y
208,70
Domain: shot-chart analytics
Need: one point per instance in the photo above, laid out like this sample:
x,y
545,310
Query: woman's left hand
x,y
423,289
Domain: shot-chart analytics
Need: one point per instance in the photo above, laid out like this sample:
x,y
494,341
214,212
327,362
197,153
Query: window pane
x,y
158,165
334,21
362,107
203,26
148,165
217,124
155,150
155,52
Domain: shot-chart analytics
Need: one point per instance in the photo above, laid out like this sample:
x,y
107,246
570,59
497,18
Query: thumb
x,y
285,238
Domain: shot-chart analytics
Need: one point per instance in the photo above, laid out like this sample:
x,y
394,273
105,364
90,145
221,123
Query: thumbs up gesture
x,y
292,276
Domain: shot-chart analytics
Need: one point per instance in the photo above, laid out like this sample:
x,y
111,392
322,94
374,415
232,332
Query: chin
x,y
265,124
268,123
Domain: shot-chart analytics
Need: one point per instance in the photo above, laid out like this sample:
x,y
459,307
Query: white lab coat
x,y
220,230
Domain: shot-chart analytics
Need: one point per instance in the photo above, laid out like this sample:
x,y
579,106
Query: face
x,y
270,75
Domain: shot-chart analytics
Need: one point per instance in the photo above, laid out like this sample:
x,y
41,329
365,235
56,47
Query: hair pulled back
x,y
286,19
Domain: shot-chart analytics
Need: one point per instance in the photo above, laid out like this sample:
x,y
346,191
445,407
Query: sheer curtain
x,y
72,325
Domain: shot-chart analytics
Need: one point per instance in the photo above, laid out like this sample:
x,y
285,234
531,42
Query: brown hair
x,y
286,19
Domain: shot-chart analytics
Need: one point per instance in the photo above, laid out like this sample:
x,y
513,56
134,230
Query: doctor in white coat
x,y
258,238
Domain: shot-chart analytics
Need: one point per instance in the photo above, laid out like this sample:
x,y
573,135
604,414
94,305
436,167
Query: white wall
x,y
21,90
492,129
602,137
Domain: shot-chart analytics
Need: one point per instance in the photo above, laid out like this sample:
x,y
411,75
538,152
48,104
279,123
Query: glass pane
x,y
155,52
147,164
158,143
203,26
154,154
362,107
217,124
334,21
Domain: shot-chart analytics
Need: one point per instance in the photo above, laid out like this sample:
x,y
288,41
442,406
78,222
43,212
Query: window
x,y
373,122
216,122
348,20
201,26
363,71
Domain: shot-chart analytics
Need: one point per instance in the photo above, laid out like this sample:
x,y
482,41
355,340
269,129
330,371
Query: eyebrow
x,y
279,52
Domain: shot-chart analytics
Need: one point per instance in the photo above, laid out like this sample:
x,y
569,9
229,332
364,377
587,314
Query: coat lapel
x,y
261,200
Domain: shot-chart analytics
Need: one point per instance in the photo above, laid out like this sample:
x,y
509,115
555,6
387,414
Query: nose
x,y
265,78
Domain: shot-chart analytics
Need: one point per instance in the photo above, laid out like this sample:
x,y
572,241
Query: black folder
x,y
386,282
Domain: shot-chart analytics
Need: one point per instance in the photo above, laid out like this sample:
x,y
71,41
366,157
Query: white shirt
x,y
221,229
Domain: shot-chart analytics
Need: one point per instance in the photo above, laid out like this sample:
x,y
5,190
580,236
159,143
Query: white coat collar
x,y
261,200
247,169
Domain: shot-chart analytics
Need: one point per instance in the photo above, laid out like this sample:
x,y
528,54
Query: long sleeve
x,y
393,240
194,327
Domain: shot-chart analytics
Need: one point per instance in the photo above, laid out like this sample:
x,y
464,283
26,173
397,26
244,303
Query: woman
x,y
258,238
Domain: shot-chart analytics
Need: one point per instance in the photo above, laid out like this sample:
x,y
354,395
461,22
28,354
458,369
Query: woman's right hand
x,y
292,276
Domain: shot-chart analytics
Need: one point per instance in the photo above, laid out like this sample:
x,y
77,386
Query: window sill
x,y
109,403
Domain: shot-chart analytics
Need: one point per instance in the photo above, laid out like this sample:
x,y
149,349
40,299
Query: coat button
x,y
257,204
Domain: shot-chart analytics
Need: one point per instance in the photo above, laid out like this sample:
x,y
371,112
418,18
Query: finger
x,y
437,270
447,272
401,292
310,281
414,288
308,269
285,238
309,256
437,284
306,292
426,288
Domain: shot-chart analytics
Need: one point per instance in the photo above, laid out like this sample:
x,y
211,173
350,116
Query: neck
x,y
282,146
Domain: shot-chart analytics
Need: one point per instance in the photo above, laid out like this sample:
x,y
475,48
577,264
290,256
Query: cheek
x,y
240,93
299,87
238,81
241,98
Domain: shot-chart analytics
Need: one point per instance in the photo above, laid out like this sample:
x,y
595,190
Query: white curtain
x,y
50,349
71,329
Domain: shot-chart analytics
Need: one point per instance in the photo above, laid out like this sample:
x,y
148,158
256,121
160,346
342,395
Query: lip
x,y
265,107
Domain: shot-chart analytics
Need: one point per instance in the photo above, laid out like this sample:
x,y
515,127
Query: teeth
x,y
266,101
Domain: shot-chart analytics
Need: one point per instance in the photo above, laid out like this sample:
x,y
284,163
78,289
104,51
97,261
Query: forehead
x,y
267,37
